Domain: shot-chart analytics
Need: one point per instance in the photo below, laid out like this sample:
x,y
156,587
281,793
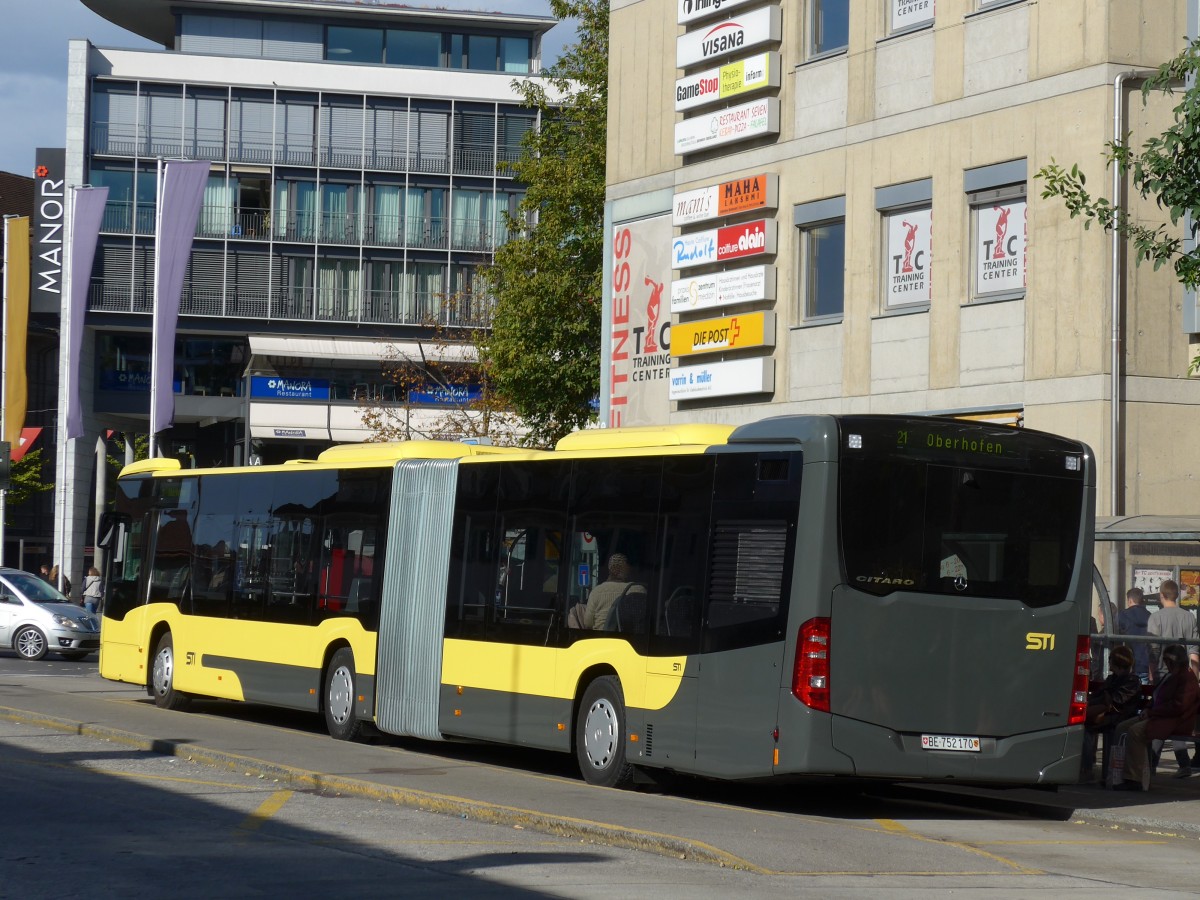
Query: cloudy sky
x,y
33,64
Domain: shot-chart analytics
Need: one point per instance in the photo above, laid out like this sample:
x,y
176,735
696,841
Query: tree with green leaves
x,y
1166,170
469,406
543,352
25,481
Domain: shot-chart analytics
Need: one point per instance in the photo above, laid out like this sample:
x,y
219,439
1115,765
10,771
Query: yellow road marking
x,y
266,809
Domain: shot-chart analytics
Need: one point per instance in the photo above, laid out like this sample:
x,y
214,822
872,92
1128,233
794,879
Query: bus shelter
x,y
1143,552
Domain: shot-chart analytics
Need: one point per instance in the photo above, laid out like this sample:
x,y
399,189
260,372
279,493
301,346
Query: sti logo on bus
x,y
1039,640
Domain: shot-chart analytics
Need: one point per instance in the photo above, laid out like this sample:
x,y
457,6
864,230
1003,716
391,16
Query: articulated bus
x,y
863,596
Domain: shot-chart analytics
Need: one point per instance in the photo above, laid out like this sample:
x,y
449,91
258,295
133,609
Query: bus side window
x,y
687,488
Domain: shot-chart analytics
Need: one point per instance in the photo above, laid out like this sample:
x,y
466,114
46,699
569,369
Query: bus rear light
x,y
1079,683
810,678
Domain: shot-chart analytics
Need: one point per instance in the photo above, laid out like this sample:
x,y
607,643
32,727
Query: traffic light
x,y
5,464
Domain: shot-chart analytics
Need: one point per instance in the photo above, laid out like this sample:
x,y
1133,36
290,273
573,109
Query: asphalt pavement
x,y
458,784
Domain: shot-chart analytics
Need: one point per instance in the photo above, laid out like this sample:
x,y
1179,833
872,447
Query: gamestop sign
x,y
758,238
727,126
726,38
714,85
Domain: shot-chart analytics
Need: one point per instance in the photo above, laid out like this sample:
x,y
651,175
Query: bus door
x,y
741,667
753,534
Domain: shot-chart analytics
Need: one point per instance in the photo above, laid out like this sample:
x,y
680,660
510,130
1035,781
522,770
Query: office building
x,y
357,187
827,205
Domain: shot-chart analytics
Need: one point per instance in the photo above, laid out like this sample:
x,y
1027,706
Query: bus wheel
x,y
162,676
600,735
339,697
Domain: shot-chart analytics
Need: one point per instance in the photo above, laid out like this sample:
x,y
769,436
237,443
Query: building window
x,y
999,235
822,227
514,55
908,15
829,26
414,48
354,45
906,228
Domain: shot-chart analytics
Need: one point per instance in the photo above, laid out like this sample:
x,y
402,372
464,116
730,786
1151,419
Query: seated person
x,y
1172,711
1114,701
605,595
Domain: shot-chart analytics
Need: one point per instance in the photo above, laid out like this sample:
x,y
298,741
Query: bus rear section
x,y
951,648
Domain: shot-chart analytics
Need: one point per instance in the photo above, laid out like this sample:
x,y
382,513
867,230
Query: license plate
x,y
949,742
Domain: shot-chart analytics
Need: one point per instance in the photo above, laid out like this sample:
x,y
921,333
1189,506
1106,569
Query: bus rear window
x,y
910,525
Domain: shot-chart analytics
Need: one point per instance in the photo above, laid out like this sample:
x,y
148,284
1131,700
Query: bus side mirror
x,y
114,527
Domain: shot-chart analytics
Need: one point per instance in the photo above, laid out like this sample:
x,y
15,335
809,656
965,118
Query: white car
x,y
35,618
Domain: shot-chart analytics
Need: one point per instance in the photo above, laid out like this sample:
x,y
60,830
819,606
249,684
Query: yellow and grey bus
x,y
868,596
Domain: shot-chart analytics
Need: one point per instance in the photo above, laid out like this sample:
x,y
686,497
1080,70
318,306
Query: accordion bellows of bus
x,y
897,597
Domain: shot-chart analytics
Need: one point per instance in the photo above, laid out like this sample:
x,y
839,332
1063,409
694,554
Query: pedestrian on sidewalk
x,y
93,590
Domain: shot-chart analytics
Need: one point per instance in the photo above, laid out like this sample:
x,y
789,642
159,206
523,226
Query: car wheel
x,y
600,735
162,676
30,643
339,697
74,654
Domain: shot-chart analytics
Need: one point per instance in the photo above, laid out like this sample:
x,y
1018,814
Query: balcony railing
x,y
219,223
264,148
302,305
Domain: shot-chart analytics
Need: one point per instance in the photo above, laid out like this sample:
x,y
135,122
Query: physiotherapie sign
x,y
729,198
714,85
748,285
757,238
727,126
755,329
731,36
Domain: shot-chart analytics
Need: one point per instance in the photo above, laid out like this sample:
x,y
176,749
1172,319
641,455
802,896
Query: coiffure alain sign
x,y
730,36
717,245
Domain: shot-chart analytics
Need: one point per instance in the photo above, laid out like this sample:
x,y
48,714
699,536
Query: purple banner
x,y
87,209
182,193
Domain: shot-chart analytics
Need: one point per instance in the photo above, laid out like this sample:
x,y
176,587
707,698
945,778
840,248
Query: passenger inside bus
x,y
618,603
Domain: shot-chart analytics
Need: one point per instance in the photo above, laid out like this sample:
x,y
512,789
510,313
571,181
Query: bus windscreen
x,y
928,508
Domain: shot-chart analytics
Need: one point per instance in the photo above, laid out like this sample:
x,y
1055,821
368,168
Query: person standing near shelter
x,y
1132,620
1172,711
1173,623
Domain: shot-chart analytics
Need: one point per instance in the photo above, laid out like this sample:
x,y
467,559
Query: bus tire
x,y
162,676
340,720
600,735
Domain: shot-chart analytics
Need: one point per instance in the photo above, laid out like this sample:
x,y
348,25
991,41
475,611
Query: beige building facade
x,y
832,206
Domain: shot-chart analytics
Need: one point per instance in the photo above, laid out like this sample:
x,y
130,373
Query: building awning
x,y
262,345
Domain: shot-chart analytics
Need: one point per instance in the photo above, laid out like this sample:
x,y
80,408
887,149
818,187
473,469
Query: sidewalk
x,y
723,833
